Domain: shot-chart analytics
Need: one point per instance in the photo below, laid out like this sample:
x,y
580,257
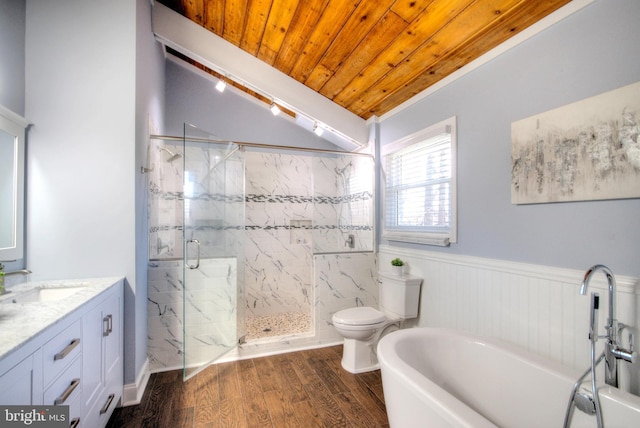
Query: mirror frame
x,y
16,125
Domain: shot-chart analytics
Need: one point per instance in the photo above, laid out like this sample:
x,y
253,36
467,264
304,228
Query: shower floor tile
x,y
274,325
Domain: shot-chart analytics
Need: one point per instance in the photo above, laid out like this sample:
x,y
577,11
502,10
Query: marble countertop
x,y
19,322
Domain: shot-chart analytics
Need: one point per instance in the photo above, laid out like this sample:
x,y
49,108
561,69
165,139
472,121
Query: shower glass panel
x,y
213,232
343,203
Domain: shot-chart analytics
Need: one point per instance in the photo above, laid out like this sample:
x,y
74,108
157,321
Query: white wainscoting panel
x,y
536,307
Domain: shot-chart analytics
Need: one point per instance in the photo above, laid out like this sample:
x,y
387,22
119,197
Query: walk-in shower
x,y
267,227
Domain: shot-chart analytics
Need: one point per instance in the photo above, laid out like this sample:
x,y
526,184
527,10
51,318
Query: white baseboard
x,y
133,392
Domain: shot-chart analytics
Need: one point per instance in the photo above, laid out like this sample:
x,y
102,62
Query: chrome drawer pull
x,y
67,392
108,325
60,355
107,404
74,423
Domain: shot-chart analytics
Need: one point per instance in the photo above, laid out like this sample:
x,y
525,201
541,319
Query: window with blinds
x,y
420,187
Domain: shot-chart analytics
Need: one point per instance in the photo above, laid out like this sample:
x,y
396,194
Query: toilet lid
x,y
363,315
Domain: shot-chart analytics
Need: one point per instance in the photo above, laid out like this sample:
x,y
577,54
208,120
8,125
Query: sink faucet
x,y
612,352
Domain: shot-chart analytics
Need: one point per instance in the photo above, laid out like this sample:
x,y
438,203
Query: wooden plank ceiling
x,y
368,56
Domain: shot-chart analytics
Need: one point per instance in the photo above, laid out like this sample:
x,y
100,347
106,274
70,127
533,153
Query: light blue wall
x,y
91,104
193,98
150,106
80,139
593,51
12,25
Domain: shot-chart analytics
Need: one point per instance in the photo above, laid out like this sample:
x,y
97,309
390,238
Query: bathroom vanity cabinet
x,y
20,382
102,361
76,360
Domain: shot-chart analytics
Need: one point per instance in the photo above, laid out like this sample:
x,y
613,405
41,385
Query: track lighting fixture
x,y
275,109
221,85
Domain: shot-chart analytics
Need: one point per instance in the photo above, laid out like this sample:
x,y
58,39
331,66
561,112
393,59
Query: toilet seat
x,y
360,316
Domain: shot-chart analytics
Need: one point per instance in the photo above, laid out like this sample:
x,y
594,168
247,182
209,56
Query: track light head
x,y
221,85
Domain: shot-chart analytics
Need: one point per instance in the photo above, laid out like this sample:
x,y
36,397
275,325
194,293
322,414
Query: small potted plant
x,y
397,266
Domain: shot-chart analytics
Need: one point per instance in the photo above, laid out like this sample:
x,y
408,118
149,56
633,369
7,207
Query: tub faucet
x,y
612,351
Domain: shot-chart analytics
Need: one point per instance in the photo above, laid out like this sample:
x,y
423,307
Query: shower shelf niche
x,y
300,231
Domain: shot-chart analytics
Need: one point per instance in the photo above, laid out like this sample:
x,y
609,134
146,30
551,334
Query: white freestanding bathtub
x,y
446,378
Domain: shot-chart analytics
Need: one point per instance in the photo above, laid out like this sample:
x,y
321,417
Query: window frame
x,y
423,237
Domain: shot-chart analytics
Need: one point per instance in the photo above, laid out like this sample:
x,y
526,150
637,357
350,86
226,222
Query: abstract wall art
x,y
587,150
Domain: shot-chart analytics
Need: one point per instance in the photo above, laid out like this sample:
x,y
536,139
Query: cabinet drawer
x,y
60,351
66,388
99,414
75,409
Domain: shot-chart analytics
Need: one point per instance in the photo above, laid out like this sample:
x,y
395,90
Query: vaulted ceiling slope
x,y
368,56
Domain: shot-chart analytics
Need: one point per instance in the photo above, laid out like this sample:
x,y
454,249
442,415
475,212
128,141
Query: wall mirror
x,y
12,136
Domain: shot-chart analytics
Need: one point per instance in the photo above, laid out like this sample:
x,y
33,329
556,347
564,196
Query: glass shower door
x,y
213,231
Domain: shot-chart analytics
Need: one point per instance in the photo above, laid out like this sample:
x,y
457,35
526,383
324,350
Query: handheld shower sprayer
x,y
593,322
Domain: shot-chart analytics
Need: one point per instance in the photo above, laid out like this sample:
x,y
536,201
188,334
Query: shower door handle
x,y
197,265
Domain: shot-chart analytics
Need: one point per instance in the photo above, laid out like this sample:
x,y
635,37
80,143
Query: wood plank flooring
x,y
299,389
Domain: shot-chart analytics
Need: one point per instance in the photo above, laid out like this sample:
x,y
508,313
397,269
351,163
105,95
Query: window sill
x,y
418,238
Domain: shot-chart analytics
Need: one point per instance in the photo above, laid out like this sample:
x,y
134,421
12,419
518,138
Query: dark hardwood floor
x,y
298,389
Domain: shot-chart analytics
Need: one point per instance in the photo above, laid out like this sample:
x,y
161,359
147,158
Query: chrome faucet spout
x,y
611,281
612,350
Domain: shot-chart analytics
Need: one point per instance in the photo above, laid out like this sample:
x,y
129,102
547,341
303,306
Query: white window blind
x,y
420,187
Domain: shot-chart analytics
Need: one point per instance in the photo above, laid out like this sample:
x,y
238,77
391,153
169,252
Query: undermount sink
x,y
41,295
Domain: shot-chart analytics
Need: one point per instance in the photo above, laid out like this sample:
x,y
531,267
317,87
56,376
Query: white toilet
x,y
363,327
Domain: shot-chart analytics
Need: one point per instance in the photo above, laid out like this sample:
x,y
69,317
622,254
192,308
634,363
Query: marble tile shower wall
x,y
342,281
166,204
209,305
298,206
283,229
279,212
343,204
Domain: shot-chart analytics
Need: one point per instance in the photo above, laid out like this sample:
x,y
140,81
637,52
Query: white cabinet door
x,y
113,363
102,359
92,359
22,384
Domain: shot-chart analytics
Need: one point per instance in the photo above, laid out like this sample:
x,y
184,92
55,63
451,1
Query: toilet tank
x,y
399,295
